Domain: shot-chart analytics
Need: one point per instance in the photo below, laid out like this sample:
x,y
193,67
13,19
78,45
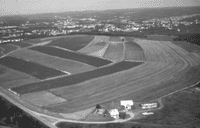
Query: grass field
x,y
12,78
115,39
134,52
7,48
143,83
114,52
165,68
33,69
21,44
72,43
75,79
96,44
70,66
94,61
187,46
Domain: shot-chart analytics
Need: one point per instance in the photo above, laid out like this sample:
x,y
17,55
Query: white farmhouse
x,y
127,104
114,113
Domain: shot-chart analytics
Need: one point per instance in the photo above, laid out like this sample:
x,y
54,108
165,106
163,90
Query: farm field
x,y
75,79
33,69
114,52
134,52
6,48
70,66
152,78
103,71
98,43
12,78
115,39
187,46
94,61
72,43
21,44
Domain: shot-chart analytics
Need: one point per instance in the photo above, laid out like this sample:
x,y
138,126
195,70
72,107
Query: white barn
x,y
127,104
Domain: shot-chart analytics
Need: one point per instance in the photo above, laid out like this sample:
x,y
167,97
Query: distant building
x,y
127,104
114,113
149,105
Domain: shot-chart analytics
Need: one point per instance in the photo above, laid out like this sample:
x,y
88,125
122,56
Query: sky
x,y
13,7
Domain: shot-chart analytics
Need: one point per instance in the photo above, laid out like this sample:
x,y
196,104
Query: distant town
x,y
36,27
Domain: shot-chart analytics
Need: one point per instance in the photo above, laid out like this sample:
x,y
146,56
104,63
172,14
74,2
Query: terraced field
x,y
115,52
70,66
6,48
140,70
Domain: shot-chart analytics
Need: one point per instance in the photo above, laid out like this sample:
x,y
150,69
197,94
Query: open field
x,y
70,66
115,52
98,43
21,44
134,52
72,43
75,79
187,46
160,37
12,78
148,70
94,61
115,39
152,78
7,48
33,69
180,110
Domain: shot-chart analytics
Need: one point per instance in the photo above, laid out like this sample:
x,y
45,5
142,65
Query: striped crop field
x,y
96,44
73,67
100,53
134,52
22,44
103,70
115,52
72,43
7,48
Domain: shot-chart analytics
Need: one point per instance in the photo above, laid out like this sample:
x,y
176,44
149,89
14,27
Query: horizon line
x,y
76,11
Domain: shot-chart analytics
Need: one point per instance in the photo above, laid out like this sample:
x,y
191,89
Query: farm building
x,y
114,113
127,104
149,105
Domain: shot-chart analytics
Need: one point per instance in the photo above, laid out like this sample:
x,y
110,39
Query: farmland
x,y
70,66
134,51
6,48
38,71
72,43
115,52
102,71
21,44
74,79
72,56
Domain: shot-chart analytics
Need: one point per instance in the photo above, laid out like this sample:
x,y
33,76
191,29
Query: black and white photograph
x,y
99,63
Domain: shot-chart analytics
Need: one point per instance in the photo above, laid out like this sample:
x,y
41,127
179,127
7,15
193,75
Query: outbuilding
x,y
127,104
114,113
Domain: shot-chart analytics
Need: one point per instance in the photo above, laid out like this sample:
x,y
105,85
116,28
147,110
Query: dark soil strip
x,y
33,69
72,43
75,79
94,61
21,44
7,48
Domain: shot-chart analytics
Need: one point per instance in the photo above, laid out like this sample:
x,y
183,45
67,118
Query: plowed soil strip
x,y
21,44
114,52
134,52
94,61
33,69
75,79
72,43
8,48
